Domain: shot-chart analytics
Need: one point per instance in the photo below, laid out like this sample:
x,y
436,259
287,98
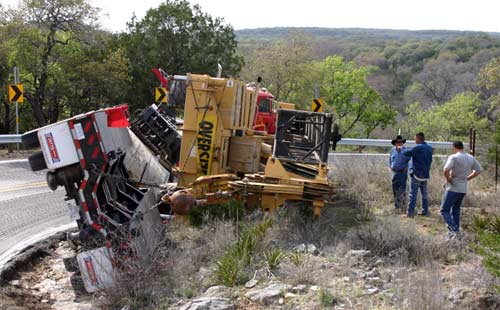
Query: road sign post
x,y
17,91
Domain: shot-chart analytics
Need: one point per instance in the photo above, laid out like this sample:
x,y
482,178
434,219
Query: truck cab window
x,y
265,106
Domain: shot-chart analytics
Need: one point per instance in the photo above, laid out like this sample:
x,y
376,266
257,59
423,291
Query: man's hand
x,y
472,175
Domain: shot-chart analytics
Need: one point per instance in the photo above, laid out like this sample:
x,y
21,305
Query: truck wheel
x,y
30,139
37,162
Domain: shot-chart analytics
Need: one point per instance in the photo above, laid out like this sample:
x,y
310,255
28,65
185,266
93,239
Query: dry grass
x,y
421,290
180,267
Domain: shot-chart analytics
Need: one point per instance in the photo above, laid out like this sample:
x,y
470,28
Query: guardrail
x,y
387,143
6,139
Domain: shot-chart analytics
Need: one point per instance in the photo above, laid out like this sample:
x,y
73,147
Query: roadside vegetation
x,y
358,253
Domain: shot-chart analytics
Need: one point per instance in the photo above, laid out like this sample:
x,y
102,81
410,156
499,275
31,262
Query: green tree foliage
x,y
282,65
358,107
449,121
48,26
489,79
179,38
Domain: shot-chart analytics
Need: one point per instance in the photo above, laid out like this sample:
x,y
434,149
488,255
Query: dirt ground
x,y
15,154
45,285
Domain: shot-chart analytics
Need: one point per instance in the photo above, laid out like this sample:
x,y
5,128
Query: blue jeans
x,y
399,188
415,185
450,209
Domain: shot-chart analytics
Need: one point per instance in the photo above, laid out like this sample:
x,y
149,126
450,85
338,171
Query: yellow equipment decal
x,y
205,142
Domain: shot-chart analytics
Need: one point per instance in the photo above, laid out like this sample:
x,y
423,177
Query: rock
x,y
127,307
250,284
311,249
346,279
281,301
373,280
372,273
314,288
299,248
267,295
216,291
209,303
457,294
358,274
358,253
378,263
15,283
290,295
299,288
371,291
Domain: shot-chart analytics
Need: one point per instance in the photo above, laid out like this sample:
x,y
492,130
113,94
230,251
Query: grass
x,y
326,298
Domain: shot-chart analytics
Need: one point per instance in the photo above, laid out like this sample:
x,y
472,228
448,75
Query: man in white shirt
x,y
458,170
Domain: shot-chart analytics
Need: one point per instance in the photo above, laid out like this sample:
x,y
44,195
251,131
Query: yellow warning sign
x,y
161,95
317,105
16,93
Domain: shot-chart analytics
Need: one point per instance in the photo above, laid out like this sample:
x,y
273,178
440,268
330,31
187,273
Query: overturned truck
x,y
124,180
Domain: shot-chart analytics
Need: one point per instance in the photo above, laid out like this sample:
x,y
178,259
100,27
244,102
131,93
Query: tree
x,y
282,65
357,106
449,121
489,79
48,26
180,38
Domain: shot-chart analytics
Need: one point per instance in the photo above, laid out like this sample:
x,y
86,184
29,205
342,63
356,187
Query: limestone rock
x,y
268,294
209,303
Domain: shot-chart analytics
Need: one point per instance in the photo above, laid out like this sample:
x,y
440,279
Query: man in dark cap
x,y
399,166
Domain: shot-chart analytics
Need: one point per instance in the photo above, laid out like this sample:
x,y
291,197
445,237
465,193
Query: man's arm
x,y
476,170
408,152
447,175
473,175
447,169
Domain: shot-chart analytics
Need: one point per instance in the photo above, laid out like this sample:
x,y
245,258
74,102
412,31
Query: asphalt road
x,y
28,208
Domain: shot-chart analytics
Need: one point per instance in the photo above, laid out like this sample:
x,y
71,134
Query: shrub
x,y
326,298
231,210
388,237
488,234
273,258
232,266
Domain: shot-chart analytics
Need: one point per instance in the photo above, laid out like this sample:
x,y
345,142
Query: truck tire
x,y
37,162
71,264
30,139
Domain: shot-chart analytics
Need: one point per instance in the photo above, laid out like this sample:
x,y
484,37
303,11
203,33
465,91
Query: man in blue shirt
x,y
399,166
420,166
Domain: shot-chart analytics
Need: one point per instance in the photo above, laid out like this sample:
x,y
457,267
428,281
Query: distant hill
x,y
358,33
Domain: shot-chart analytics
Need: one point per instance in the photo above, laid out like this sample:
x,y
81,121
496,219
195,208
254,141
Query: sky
x,y
479,15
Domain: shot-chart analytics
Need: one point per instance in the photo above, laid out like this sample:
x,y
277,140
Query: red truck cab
x,y
265,115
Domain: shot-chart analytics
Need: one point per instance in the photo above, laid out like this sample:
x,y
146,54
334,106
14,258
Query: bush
x,y
233,266
231,210
388,237
488,234
273,258
326,298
